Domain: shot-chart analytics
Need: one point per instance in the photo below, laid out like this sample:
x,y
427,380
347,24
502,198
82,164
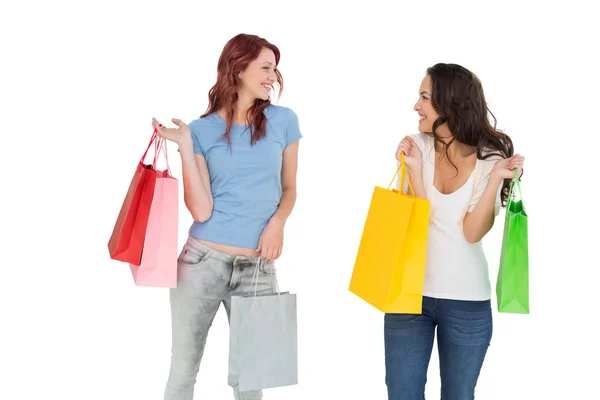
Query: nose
x,y
417,106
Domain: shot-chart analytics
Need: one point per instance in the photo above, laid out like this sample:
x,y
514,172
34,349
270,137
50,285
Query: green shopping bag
x,y
512,286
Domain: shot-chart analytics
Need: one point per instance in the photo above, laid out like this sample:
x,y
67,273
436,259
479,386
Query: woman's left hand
x,y
505,168
270,244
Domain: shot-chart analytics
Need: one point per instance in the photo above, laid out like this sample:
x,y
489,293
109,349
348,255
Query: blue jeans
x,y
464,331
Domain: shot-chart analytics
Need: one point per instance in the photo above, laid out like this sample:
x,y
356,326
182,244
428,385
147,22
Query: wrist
x,y
277,221
186,144
495,179
414,172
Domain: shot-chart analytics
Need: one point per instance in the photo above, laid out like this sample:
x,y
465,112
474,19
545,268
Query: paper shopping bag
x,y
512,285
127,239
263,341
158,266
389,271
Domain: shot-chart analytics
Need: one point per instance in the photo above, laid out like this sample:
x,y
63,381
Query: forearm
x,y
197,197
478,222
286,205
416,181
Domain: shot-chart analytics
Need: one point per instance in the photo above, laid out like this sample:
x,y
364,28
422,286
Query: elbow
x,y
201,216
471,236
472,239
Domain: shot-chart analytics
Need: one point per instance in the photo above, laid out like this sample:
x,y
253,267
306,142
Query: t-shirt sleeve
x,y
488,166
198,149
292,128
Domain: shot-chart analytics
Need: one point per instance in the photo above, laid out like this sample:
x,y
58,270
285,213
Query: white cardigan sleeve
x,y
482,179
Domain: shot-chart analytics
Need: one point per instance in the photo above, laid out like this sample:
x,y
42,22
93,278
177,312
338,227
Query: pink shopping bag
x,y
158,267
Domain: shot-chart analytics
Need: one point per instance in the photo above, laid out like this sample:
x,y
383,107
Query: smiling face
x,y
427,114
258,78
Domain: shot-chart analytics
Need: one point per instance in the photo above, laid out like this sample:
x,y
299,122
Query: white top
x,y
455,269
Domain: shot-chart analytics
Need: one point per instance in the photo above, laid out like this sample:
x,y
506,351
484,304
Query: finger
x,y
177,122
264,252
270,254
405,148
412,141
259,244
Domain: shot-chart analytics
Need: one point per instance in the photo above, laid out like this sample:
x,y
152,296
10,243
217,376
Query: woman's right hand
x,y
178,135
412,154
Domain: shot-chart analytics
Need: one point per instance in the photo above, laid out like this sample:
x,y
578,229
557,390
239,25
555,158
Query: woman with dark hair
x,y
239,162
463,165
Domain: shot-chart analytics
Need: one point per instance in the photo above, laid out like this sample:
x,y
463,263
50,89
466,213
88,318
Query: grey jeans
x,y
207,278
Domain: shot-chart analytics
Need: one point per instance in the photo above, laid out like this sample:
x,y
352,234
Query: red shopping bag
x,y
158,267
127,239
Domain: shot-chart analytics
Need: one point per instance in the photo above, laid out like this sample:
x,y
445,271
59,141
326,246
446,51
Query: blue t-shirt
x,y
245,180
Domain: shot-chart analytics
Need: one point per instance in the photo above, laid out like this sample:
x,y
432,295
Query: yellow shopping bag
x,y
389,271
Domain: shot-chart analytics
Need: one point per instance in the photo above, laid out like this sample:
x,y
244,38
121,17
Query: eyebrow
x,y
424,92
267,62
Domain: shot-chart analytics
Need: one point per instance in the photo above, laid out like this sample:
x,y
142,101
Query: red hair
x,y
237,54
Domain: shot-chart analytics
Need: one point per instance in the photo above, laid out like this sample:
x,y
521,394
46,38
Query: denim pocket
x,y
268,269
192,257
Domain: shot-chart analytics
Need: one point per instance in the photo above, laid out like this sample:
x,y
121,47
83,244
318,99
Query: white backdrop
x,y
80,82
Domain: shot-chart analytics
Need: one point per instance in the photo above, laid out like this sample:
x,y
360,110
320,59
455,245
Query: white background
x,y
80,82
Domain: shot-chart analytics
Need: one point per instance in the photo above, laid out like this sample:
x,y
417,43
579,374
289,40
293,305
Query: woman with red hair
x,y
239,162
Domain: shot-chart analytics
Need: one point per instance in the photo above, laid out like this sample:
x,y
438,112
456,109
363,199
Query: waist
x,y
227,250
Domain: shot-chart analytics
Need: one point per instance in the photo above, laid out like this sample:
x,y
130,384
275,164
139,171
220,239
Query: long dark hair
x,y
238,52
457,97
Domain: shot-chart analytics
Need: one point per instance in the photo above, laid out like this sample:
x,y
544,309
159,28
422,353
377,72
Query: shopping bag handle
x,y
152,139
516,182
403,168
159,145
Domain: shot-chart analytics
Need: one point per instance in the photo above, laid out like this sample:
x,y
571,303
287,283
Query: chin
x,y
425,129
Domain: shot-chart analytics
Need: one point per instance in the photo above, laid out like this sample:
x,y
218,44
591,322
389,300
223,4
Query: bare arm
x,y
478,223
288,184
416,181
196,182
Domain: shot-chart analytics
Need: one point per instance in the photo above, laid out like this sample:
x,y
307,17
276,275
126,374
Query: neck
x,y
241,107
456,148
243,104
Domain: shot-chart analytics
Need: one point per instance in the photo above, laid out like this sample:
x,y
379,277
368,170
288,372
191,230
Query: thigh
x,y
464,335
408,346
201,276
201,286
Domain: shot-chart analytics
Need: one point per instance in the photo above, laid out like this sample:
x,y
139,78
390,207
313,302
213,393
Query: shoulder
x,y
276,113
485,166
207,123
490,158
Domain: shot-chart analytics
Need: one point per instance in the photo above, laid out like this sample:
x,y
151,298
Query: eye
x,y
424,98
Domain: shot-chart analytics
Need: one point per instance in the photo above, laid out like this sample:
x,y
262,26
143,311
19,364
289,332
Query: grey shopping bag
x,y
263,341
